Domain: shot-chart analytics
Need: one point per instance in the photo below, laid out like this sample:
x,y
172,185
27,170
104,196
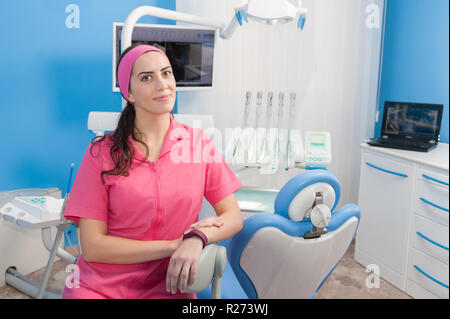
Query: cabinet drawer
x,y
431,202
433,178
428,273
430,238
418,292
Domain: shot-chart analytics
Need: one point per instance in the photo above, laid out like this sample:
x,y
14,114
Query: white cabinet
x,y
384,219
404,202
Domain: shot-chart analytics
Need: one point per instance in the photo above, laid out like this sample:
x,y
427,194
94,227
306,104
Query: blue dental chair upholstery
x,y
290,253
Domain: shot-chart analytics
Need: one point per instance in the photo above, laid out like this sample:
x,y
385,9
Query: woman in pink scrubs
x,y
140,188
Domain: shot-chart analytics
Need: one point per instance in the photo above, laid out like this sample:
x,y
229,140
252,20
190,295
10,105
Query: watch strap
x,y
195,232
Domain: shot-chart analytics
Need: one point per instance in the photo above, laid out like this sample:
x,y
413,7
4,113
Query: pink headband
x,y
126,65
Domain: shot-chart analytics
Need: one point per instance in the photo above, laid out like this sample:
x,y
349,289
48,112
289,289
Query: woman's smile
x,y
162,98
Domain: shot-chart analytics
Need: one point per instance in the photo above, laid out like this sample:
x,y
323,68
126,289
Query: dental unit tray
x,y
33,212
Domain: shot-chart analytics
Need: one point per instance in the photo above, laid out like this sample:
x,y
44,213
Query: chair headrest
x,y
297,196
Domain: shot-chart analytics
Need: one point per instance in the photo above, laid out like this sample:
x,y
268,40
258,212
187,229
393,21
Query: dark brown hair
x,y
122,151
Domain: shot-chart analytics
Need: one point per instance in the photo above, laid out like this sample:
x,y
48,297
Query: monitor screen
x,y
414,119
318,140
190,51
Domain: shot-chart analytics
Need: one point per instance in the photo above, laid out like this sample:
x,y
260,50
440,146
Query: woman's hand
x,y
209,222
184,262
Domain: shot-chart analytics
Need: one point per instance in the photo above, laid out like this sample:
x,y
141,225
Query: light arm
x,y
142,11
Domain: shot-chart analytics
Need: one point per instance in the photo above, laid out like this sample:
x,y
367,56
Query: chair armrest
x,y
211,265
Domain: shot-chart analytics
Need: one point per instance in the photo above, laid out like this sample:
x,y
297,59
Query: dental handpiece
x,y
280,116
291,117
248,97
259,97
268,117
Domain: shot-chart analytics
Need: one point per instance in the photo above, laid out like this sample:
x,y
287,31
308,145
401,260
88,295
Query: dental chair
x,y
290,253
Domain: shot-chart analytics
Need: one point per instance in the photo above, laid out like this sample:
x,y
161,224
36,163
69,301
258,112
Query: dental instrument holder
x,y
262,159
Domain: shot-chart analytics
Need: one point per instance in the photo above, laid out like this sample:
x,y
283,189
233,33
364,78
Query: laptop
x,y
410,126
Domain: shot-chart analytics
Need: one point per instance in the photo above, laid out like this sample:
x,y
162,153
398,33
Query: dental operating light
x,y
272,12
265,11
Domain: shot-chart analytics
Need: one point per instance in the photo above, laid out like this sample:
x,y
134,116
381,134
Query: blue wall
x,y
51,78
415,63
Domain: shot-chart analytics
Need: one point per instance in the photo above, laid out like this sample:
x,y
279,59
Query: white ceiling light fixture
x,y
273,11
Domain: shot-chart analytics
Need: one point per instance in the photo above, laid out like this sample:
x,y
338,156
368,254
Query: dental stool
x,y
290,253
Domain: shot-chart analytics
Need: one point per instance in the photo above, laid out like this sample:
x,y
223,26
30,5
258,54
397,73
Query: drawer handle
x,y
433,204
431,241
428,276
385,170
434,179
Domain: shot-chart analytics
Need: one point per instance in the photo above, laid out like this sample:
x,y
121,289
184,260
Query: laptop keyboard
x,y
407,143
403,144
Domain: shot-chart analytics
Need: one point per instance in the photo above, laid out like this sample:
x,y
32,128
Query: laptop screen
x,y
412,119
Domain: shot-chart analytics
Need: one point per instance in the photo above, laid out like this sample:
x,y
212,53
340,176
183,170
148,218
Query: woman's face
x,y
152,84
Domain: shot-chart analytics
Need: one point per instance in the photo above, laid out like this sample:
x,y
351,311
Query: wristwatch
x,y
192,231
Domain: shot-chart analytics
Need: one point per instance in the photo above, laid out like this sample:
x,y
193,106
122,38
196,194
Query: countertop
x,y
438,157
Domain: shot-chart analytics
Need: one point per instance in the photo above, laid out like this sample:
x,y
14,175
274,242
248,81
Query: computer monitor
x,y
190,51
417,120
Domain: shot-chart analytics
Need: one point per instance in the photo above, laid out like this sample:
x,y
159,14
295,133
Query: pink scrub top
x,y
156,201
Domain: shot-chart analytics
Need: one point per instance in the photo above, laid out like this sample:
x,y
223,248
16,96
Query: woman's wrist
x,y
174,244
194,232
195,239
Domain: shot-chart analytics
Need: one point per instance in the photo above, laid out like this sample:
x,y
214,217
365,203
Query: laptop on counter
x,y
410,126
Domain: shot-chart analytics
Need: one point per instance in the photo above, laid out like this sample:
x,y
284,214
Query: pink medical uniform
x,y
156,201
